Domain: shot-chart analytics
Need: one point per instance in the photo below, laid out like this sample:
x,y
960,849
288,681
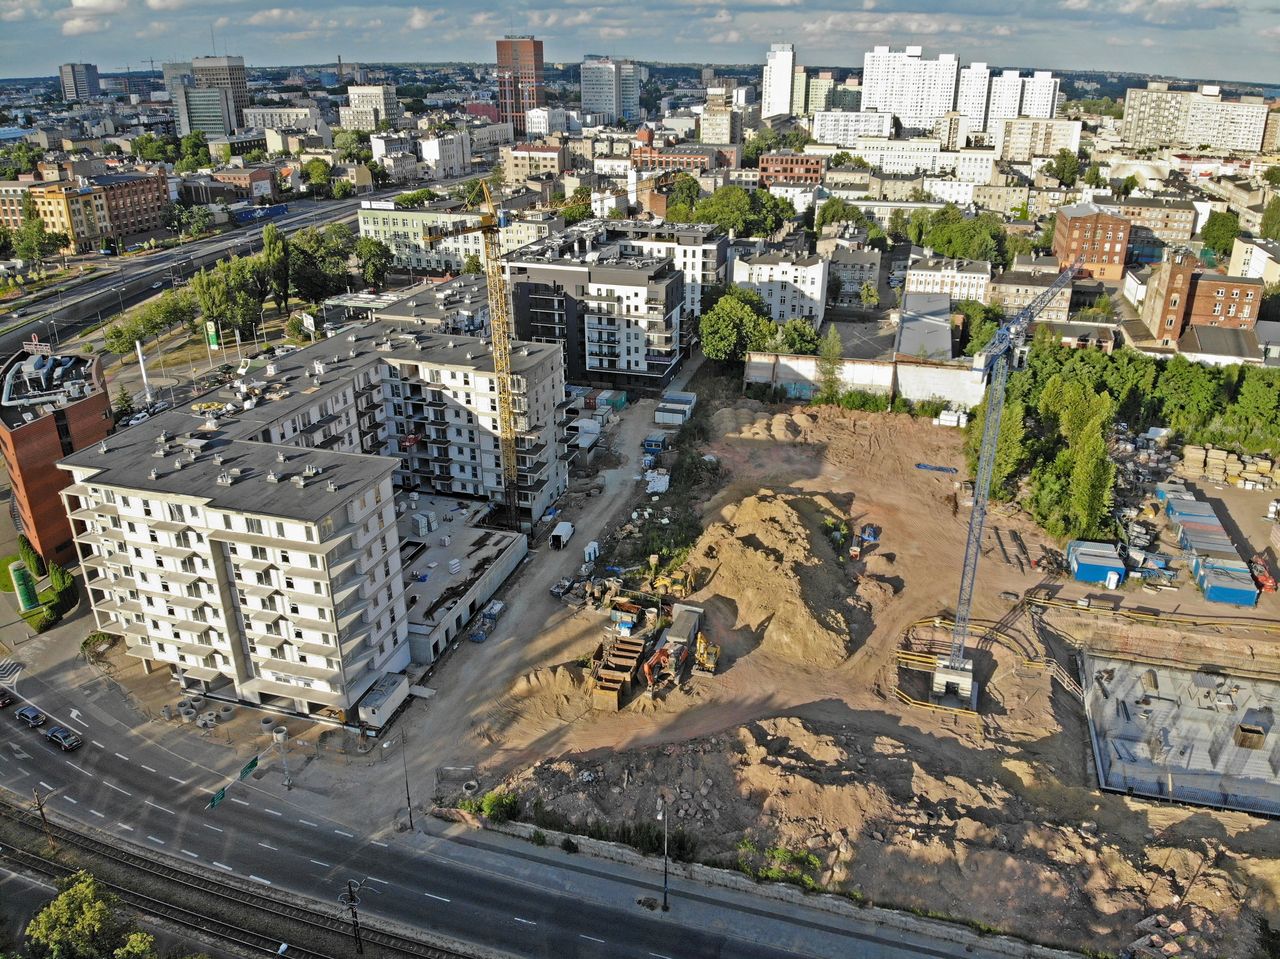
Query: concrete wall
x,y
956,383
798,375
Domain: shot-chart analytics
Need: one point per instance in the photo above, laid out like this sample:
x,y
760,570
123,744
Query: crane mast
x,y
500,336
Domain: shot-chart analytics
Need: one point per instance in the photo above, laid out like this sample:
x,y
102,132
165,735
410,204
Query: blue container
x,y
1094,562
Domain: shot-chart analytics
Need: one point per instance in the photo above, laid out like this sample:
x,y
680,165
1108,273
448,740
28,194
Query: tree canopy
x,y
1220,231
734,209
737,324
1064,167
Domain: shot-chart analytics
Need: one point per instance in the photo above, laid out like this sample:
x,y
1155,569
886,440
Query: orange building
x,y
520,86
1102,238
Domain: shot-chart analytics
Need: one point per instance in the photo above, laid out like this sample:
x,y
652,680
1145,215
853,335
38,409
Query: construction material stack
x,y
1226,468
1220,572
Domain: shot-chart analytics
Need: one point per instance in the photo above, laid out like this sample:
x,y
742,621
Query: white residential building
x,y
368,106
698,250
973,94
432,238
1006,96
385,144
793,287
779,75
1040,95
611,88
899,156
282,118
541,121
488,138
1157,116
446,155
958,279
1019,139
844,128
904,83
949,191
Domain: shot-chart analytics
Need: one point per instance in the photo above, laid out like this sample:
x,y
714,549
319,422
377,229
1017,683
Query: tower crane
x,y
994,360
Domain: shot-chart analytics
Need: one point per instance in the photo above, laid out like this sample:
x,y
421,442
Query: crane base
x,y
954,682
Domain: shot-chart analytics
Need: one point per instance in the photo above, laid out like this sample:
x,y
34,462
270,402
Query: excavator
x,y
655,668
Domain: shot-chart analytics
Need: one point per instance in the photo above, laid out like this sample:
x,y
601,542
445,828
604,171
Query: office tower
x,y
779,75
207,110
369,106
519,73
79,81
224,73
611,88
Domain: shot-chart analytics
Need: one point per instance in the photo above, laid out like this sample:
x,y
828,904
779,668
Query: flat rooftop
x,y
33,385
1191,736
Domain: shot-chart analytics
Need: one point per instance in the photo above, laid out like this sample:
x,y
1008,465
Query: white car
x,y
157,285
139,418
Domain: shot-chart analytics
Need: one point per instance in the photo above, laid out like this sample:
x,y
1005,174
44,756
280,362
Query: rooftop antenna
x,y
212,42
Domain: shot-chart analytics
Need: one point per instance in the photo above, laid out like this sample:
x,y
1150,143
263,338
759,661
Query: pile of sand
x,y
769,566
748,421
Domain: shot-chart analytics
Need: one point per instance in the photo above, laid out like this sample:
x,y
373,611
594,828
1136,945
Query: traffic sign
x,y
249,767
217,797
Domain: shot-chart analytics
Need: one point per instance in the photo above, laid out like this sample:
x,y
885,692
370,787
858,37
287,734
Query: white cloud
x,y
272,15
166,4
95,7
156,28
12,11
78,26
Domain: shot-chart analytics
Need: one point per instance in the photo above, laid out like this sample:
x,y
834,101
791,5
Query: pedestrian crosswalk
x,y
9,670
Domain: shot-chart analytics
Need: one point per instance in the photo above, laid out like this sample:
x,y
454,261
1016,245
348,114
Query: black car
x,y
64,738
6,697
31,716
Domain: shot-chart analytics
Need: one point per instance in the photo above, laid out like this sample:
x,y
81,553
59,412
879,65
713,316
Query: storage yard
x,y
809,733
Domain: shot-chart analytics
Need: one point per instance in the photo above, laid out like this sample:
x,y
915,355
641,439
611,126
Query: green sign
x,y
211,332
217,797
249,767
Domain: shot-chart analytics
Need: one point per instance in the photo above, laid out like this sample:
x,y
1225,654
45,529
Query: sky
x,y
1221,39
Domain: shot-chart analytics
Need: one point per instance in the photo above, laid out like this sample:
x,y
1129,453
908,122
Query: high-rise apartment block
x,y
79,81
369,106
1158,116
779,75
611,88
520,83
282,118
224,73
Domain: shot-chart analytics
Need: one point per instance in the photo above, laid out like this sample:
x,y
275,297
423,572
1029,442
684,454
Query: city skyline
x,y
1231,40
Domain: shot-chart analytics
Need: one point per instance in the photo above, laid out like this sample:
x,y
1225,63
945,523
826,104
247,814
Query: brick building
x,y
1180,294
786,166
250,183
1102,238
136,202
54,405
520,84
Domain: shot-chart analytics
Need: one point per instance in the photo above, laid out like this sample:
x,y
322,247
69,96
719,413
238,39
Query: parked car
x,y
137,418
64,738
31,716
158,407
6,697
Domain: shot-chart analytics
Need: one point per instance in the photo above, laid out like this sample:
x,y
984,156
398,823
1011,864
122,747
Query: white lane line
x,y
658,955
583,935
317,862
221,866
347,834
180,782
98,744
214,828
265,882
527,922
306,823
154,839
45,784
77,768
122,756
123,826
148,768
98,814
376,843
379,881
116,788
188,852
432,895
74,802
157,806
267,845
240,801
272,811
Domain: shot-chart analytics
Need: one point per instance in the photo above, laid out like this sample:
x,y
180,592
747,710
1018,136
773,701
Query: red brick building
x,y
53,406
255,183
520,86
1102,238
786,166
1181,294
136,202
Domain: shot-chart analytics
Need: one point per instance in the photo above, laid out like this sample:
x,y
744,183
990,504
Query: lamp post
x,y
120,297
408,800
662,815
350,899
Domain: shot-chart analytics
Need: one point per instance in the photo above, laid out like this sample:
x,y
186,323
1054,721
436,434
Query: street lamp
x,y
120,296
54,322
350,899
408,800
662,815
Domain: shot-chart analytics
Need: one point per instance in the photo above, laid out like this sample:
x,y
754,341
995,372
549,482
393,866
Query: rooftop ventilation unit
x,y
155,474
272,477
224,478
331,486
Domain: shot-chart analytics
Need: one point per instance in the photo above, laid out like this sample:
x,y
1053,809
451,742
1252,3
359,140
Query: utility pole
x,y
48,832
662,814
350,899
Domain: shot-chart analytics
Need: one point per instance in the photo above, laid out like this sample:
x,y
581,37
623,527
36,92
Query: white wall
x,y
956,383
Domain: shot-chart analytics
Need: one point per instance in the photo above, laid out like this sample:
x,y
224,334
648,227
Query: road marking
x,y
154,839
148,768
376,843
240,801
98,744
122,756
188,852
221,866
180,782
73,802
347,834
306,823
267,845
265,882
527,922
214,828
123,826
98,814
157,806
583,935
319,863
658,955
272,811
380,881
45,784
116,788
432,895
77,768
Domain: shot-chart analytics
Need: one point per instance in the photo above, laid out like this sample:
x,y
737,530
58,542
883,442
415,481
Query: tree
x,y
472,264
275,257
837,210
1093,176
1127,185
1272,175
374,256
30,558
1064,167
415,199
352,145
316,173
897,223
1270,228
869,295
579,206
1220,231
841,158
796,337
830,361
82,922
685,190
1092,481
31,241
732,327
341,189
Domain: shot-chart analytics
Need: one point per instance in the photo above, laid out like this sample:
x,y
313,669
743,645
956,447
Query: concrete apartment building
x,y
611,88
1156,116
431,238
794,287
720,124
698,250
843,128
258,557
368,106
779,77
282,118
617,315
459,306
916,90
520,82
1101,237
1013,290
79,81
525,160
77,209
50,406
1255,258
446,154
1019,139
958,279
786,166
1180,294
224,73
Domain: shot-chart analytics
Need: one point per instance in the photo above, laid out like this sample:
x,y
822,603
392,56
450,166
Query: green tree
x,y
31,241
685,190
352,145
1064,167
1270,228
830,361
316,173
341,189
1092,481
1272,175
275,257
415,199
732,327
796,337
1220,231
375,257
6,242
579,206
82,922
841,158
837,210
30,558
472,264
1093,176
897,223
1127,185
869,295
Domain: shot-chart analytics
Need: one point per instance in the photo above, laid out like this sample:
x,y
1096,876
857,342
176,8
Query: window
x,y
253,525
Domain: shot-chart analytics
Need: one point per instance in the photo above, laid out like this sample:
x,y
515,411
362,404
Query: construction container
x,y
677,398
671,415
616,400
1229,582
1096,563
589,401
655,442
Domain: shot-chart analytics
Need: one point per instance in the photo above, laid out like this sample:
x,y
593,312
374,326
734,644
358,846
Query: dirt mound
x,y
769,565
898,825
748,420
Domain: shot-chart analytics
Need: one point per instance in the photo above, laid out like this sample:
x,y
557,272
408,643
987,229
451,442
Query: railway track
x,y
204,886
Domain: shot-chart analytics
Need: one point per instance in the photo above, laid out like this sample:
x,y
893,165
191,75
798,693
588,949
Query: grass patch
x,y
6,581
